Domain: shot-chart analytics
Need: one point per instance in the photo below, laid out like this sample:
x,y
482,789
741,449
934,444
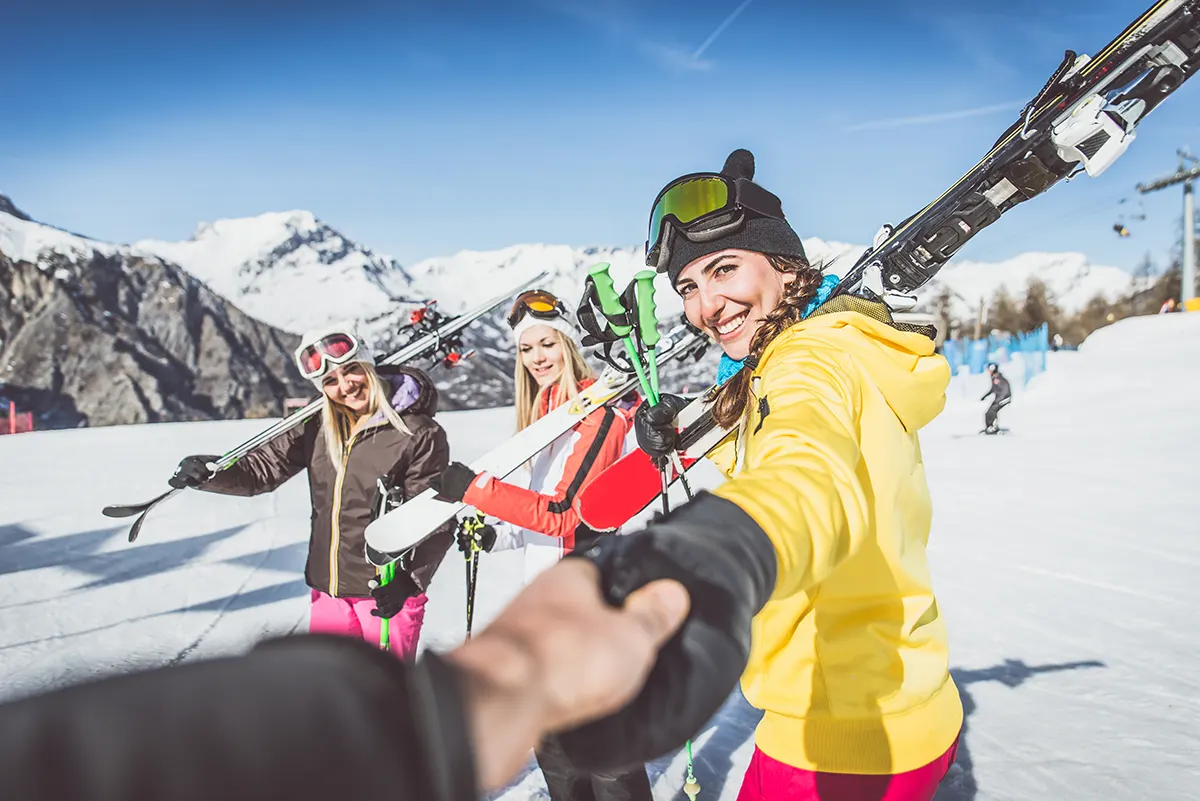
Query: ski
x,y
1083,119
633,482
431,334
407,526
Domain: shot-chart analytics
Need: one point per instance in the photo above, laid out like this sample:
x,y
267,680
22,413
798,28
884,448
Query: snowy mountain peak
x,y
7,207
24,239
261,229
289,269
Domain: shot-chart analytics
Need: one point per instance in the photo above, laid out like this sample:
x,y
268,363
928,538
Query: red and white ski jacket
x,y
538,513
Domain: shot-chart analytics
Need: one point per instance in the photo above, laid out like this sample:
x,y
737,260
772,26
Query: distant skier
x,y
1002,396
376,423
539,517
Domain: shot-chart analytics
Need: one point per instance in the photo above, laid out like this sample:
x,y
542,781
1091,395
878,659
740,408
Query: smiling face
x,y
348,385
542,354
727,294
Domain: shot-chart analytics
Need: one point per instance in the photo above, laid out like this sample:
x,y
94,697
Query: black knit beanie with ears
x,y
758,233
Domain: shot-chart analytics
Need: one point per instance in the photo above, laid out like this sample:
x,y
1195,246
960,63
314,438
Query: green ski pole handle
x,y
610,304
648,326
387,573
646,309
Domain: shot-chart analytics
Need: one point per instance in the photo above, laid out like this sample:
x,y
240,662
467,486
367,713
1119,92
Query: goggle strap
x,y
587,317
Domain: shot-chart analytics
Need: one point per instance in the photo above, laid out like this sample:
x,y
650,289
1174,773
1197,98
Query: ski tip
x,y
119,510
137,527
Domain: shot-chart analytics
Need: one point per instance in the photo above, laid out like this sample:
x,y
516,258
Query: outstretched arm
x,y
596,445
318,717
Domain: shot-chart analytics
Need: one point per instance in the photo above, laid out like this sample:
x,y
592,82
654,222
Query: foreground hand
x,y
557,656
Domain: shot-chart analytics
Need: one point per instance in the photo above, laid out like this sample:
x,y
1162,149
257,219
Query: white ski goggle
x,y
318,358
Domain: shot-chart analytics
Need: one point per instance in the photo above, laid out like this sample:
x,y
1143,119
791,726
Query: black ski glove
x,y
192,471
484,538
728,566
586,536
390,597
452,484
655,429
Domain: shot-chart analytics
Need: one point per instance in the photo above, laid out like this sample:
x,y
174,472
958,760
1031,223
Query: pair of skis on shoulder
x,y
431,336
1082,120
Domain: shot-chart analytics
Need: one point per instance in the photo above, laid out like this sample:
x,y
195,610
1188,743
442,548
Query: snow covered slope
x,y
1064,557
289,269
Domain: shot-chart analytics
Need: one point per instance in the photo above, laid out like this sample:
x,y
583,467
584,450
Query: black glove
x,y
192,471
586,536
727,563
655,429
390,597
452,484
484,538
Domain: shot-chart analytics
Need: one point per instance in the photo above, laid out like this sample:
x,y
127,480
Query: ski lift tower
x,y
1185,177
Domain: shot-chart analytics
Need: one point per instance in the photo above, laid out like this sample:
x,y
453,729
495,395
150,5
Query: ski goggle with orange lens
x,y
536,303
703,206
316,359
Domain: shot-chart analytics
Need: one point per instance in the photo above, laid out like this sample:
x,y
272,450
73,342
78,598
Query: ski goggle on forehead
x,y
703,206
334,349
536,303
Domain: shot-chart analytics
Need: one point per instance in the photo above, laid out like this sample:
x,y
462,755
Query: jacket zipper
x,y
336,531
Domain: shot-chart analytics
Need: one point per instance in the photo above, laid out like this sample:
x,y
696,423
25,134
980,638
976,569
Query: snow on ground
x,y
1064,555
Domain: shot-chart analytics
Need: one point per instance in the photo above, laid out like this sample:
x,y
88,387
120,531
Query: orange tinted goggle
x,y
537,303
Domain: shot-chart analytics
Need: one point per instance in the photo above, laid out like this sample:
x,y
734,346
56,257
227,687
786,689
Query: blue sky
x,y
423,128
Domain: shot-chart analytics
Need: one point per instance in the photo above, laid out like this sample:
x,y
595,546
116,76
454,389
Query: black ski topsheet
x,y
1025,156
1149,60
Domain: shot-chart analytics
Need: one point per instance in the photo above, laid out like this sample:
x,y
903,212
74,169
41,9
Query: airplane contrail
x,y
713,36
925,119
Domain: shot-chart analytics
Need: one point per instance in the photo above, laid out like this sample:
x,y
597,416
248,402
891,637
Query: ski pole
x,y
691,787
471,526
612,307
386,574
648,326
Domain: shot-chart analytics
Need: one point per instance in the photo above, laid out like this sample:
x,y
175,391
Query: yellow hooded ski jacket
x,y
849,658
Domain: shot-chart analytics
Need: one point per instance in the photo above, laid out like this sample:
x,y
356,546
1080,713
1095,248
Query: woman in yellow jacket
x,y
813,580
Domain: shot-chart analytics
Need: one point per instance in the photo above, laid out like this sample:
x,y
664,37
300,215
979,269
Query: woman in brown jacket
x,y
376,426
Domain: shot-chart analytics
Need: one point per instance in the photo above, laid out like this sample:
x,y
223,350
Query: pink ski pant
x,y
769,779
352,617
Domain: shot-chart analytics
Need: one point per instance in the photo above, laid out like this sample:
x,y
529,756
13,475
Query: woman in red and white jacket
x,y
538,514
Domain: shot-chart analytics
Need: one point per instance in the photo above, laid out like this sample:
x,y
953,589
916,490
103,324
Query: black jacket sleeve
x,y
310,717
267,467
430,456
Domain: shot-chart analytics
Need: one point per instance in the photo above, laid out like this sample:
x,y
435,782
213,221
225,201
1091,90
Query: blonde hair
x,y
339,422
528,396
